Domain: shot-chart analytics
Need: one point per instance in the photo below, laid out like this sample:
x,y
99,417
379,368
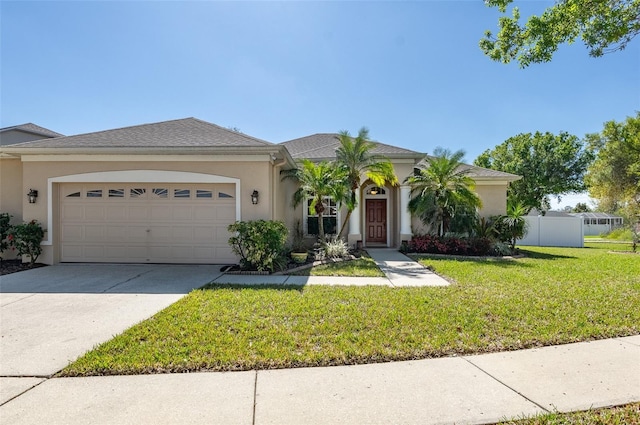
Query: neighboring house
x,y
10,166
597,223
166,192
25,133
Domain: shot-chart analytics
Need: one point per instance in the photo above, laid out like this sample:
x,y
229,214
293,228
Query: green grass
x,y
362,267
552,296
621,415
611,246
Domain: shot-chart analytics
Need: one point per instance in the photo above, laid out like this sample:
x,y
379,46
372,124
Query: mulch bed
x,y
14,266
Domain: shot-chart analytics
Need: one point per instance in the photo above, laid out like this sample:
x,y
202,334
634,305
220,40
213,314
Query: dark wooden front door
x,y
376,222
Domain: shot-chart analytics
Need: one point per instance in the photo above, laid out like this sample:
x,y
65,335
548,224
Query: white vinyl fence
x,y
554,231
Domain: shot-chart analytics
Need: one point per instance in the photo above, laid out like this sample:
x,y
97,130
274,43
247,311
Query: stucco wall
x,y
11,187
252,175
11,193
494,198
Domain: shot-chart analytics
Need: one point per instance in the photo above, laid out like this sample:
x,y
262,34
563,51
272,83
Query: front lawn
x,y
361,267
553,296
620,415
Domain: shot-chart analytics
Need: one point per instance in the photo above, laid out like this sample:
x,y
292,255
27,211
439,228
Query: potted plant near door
x,y
299,251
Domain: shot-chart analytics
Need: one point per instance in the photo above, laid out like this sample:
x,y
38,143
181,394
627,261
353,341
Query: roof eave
x,y
278,151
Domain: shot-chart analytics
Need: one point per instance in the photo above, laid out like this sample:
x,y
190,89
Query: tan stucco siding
x,y
11,193
252,175
11,188
494,198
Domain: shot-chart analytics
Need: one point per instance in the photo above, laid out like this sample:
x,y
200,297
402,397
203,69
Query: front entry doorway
x,y
376,221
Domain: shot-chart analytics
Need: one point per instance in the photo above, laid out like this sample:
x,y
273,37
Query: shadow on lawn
x,y
258,286
545,255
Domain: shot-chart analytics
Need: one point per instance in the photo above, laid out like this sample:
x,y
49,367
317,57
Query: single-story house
x,y
596,223
165,192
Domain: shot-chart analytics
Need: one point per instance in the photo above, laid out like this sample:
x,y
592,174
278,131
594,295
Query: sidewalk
x,y
476,389
400,271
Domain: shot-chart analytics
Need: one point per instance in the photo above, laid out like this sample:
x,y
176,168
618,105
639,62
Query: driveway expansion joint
x,y
45,379
506,385
127,281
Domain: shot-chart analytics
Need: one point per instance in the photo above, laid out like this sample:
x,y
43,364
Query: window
x,y
223,195
200,193
73,195
330,217
137,193
94,193
376,191
160,192
116,193
181,193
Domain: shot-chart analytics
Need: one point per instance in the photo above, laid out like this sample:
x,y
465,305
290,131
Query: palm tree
x,y
355,157
514,222
443,189
317,181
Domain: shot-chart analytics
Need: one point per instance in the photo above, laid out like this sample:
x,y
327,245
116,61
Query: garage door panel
x,y
204,212
161,212
72,212
204,253
94,212
114,233
72,252
70,232
94,232
138,213
182,213
204,234
226,212
174,225
94,251
116,212
160,234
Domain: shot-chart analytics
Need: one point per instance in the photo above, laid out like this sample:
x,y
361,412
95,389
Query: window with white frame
x,y
330,217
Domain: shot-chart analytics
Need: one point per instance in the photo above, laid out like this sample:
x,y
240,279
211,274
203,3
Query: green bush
x,y
26,238
620,234
259,244
5,229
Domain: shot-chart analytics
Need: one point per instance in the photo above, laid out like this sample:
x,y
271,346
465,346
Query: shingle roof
x,y
187,132
324,145
32,128
477,172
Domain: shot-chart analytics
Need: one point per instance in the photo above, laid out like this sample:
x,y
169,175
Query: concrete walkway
x,y
477,389
400,271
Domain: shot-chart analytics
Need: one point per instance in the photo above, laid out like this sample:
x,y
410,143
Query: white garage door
x,y
146,223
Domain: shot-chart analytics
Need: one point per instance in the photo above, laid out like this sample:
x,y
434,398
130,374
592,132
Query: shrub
x,y
26,238
620,234
433,244
336,248
259,243
5,230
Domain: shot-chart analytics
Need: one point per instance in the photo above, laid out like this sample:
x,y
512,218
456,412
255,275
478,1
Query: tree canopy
x,y
355,157
603,26
550,165
317,181
614,177
442,189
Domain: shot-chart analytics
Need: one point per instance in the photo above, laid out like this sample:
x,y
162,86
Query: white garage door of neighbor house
x,y
146,223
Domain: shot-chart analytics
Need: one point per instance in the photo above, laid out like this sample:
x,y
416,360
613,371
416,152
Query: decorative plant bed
x,y
14,266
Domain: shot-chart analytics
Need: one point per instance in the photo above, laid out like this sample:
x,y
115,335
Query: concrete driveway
x,y
52,315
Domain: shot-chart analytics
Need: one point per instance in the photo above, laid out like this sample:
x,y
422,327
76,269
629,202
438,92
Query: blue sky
x,y
411,72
